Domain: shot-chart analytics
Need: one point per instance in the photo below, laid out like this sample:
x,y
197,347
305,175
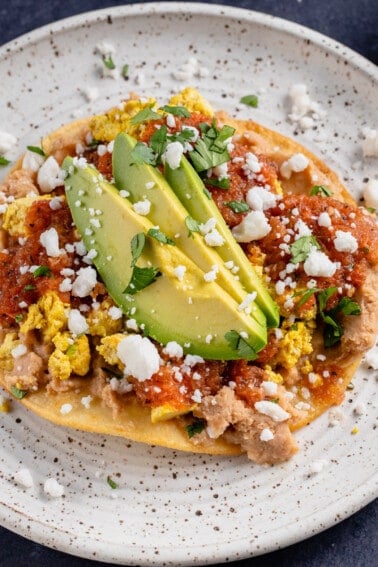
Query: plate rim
x,y
328,517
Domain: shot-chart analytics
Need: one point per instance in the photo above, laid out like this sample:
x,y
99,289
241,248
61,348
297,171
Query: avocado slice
x,y
168,212
189,188
199,315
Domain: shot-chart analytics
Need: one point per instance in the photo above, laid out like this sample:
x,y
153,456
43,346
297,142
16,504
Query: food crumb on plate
x,y
24,478
52,488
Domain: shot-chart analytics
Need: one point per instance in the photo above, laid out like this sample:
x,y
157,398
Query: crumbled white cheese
x,y
266,434
272,410
52,488
370,143
245,305
85,282
86,401
210,276
260,199
188,70
90,93
7,142
197,396
318,264
32,160
270,388
324,220
77,323
121,386
24,478
173,350
254,226
335,417
208,226
295,164
19,350
252,165
50,241
214,238
345,242
65,409
221,171
371,194
49,175
173,154
132,325
115,313
140,357
179,272
317,466
193,359
142,207
304,111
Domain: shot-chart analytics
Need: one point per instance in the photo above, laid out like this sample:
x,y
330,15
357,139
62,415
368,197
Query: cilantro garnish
x,y
72,349
143,154
125,71
250,100
36,150
144,115
207,193
4,161
192,225
306,295
29,287
211,150
223,183
320,189
160,236
158,142
179,111
140,277
302,247
108,62
195,427
240,345
237,206
42,271
17,393
18,318
113,485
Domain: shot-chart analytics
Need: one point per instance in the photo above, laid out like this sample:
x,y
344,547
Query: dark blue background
x,y
353,542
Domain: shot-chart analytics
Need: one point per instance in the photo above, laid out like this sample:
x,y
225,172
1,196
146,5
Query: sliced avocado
x,y
198,315
191,191
167,211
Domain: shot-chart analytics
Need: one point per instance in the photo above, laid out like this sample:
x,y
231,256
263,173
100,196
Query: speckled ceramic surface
x,y
172,508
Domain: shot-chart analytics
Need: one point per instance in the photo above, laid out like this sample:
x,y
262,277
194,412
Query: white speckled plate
x,y
173,508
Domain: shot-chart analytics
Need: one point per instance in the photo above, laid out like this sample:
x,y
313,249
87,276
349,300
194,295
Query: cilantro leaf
x,y
17,393
237,206
179,111
301,248
143,154
320,189
192,225
36,150
306,295
223,183
324,296
144,115
4,161
250,100
160,236
42,271
138,242
211,150
108,62
141,278
195,427
158,142
125,71
240,345
113,485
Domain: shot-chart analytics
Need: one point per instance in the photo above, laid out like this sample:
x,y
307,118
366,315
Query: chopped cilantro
x,y
4,161
113,485
250,100
179,111
301,248
237,206
192,225
108,62
223,183
36,150
140,277
19,318
125,71
158,142
17,393
143,154
144,115
333,331
320,189
29,287
305,295
240,345
211,150
42,271
160,236
72,349
195,427
207,193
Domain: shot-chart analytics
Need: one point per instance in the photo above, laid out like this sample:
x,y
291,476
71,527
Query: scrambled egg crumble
x,y
69,356
108,349
295,343
47,315
193,101
101,323
106,127
6,359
